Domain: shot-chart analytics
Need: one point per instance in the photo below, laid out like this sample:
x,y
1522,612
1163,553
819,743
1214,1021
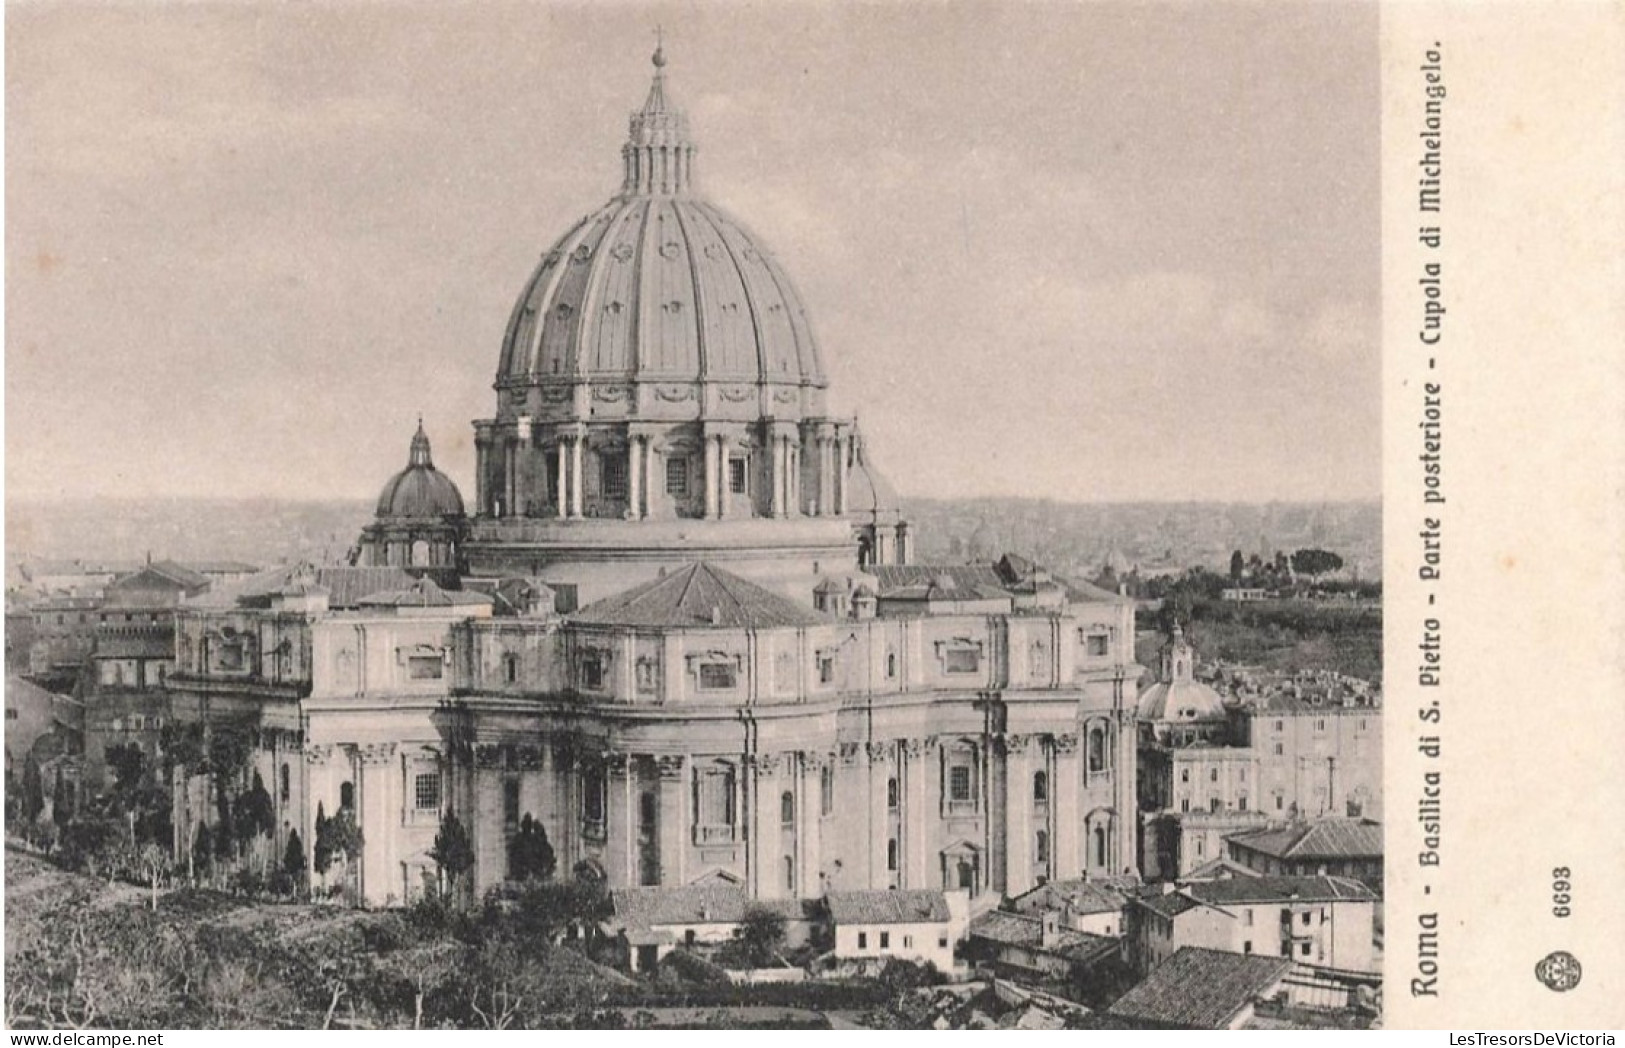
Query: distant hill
x,y
1072,538
260,531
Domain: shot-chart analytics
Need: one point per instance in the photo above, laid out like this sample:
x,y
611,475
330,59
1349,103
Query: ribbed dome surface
x,y
1181,700
658,284
671,289
420,490
870,496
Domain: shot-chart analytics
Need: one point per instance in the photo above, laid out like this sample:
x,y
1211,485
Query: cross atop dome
x,y
659,154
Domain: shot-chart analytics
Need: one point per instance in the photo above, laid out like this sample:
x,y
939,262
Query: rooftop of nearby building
x,y
1081,896
1261,890
346,586
1014,929
695,596
912,906
643,914
424,593
1320,839
1198,989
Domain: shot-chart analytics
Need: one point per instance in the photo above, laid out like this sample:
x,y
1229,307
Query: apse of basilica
x,y
679,624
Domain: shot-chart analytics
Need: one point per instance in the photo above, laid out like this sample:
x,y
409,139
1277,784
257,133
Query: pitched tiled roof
x,y
1083,896
919,906
1278,889
1014,929
345,585
1169,904
1199,989
424,594
642,912
697,595
1321,839
979,581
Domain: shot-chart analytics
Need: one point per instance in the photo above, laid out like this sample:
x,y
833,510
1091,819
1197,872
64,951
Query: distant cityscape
x,y
1076,539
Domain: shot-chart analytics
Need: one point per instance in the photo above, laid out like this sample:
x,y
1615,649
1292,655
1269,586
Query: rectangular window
x,y
826,790
863,940
942,942
1280,802
959,783
1099,645
736,476
510,803
614,477
908,942
426,791
717,676
1307,918
1278,749
961,660
648,676
425,667
677,476
885,940
1184,775
592,669
1247,917
1247,947
1213,775
1303,949
826,669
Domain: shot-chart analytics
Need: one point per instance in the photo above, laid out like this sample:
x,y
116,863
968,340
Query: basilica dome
x,y
419,491
658,287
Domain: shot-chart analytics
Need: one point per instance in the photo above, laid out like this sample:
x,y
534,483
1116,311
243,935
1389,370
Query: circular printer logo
x,y
1559,970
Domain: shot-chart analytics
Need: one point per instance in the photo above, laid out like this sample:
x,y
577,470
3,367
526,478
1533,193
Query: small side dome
x,y
420,491
870,496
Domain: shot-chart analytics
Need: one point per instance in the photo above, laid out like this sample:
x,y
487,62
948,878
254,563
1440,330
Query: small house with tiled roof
x,y
1324,922
912,925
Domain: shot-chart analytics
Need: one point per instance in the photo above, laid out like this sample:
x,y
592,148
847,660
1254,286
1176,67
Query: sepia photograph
x,y
694,516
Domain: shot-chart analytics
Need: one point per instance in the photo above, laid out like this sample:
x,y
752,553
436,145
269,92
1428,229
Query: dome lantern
x,y
659,154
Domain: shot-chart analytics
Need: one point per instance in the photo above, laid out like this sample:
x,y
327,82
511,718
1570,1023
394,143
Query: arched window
x,y
1100,846
789,874
285,787
347,796
891,854
1041,787
891,794
1097,749
510,667
1042,846
787,808
420,553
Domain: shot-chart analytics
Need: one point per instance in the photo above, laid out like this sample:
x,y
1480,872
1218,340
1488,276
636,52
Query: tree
x,y
62,799
129,765
33,789
452,851
761,933
322,856
293,856
530,856
202,849
1237,565
255,816
1315,562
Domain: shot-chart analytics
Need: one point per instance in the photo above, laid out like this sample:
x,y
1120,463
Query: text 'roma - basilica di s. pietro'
x,y
679,625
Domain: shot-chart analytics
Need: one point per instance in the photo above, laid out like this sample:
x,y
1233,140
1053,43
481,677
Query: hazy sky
x,y
1089,252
